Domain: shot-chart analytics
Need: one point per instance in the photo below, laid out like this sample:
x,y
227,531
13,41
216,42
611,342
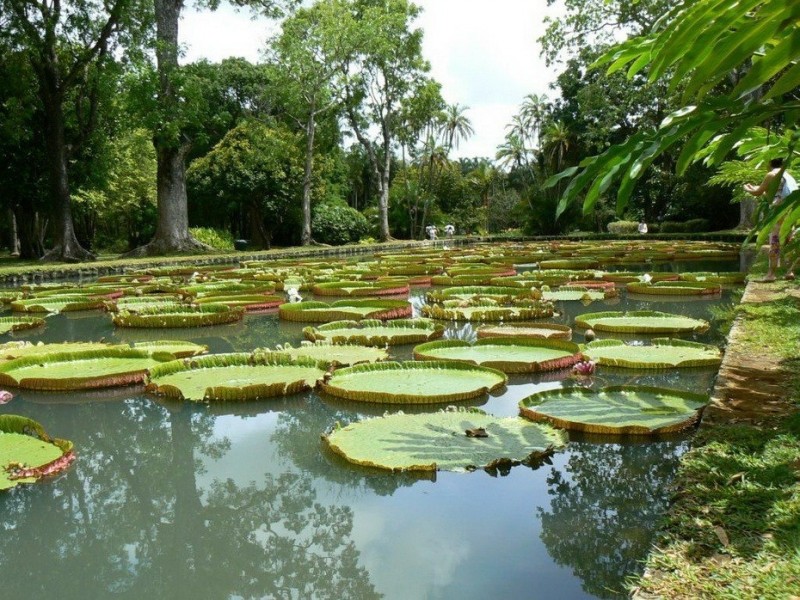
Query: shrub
x,y
336,223
623,227
219,239
691,226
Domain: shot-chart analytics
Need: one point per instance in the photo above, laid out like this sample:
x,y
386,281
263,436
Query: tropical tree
x,y
65,45
171,137
455,126
532,114
384,70
755,50
306,61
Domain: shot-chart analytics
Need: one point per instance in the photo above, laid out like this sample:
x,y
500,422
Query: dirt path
x,y
751,386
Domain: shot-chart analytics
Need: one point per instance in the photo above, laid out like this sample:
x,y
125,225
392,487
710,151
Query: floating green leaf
x,y
674,288
234,377
322,312
332,354
664,353
183,316
643,321
439,441
27,453
510,355
372,332
87,369
19,323
413,382
57,304
482,311
361,288
616,410
527,330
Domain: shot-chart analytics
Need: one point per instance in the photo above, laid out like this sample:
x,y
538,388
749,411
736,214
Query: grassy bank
x,y
734,528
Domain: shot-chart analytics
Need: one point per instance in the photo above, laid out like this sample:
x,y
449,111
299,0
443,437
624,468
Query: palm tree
x,y
532,113
557,139
455,126
512,153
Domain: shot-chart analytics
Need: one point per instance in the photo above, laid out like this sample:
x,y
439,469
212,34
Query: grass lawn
x,y
734,528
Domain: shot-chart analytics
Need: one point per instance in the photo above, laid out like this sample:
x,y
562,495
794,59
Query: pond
x,y
181,500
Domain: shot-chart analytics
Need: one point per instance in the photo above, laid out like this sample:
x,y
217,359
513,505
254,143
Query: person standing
x,y
785,187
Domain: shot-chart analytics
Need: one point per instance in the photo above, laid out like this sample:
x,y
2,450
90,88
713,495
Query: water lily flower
x,y
584,368
5,397
646,278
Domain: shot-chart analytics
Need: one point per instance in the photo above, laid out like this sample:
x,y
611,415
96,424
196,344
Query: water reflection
x,y
105,529
605,501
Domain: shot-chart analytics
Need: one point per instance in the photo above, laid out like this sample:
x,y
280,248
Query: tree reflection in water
x,y
605,502
105,529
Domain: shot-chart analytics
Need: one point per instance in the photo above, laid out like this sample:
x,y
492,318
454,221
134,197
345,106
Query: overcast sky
x,y
483,53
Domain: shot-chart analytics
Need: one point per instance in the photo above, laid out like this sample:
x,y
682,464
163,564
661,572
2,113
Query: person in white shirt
x,y
786,186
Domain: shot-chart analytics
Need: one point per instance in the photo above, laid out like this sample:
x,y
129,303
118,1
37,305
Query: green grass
x,y
733,531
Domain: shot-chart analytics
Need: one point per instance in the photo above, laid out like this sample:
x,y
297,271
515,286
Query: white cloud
x,y
483,53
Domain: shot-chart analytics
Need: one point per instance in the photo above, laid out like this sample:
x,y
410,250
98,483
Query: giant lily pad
x,y
108,367
57,304
371,332
184,316
664,353
439,441
361,288
499,293
552,331
175,348
19,349
19,323
336,354
231,377
27,453
568,294
413,382
634,410
482,311
248,302
642,321
321,312
510,355
674,288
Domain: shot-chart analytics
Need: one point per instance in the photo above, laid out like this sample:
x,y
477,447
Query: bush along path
x,y
733,530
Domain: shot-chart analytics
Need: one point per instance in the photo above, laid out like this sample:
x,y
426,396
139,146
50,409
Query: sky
x,y
483,53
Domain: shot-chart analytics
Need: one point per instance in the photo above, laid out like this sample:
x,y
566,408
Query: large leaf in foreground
x,y
616,410
372,332
663,353
439,441
509,355
89,369
413,382
57,304
234,377
331,354
27,453
642,321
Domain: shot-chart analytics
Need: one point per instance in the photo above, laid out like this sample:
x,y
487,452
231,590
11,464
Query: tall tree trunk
x,y
28,232
172,231
66,248
305,238
14,246
747,210
383,199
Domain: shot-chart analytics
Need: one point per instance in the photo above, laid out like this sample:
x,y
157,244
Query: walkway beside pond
x,y
734,526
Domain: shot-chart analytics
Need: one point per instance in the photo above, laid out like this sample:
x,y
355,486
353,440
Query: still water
x,y
185,501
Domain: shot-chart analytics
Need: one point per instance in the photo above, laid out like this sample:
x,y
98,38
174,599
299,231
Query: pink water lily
x,y
5,397
585,368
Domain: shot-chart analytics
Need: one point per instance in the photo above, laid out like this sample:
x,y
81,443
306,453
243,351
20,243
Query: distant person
x,y
785,187
642,227
432,232
449,230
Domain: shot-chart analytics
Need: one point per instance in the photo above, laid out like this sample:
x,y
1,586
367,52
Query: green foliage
x,y
219,239
336,223
756,40
620,227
